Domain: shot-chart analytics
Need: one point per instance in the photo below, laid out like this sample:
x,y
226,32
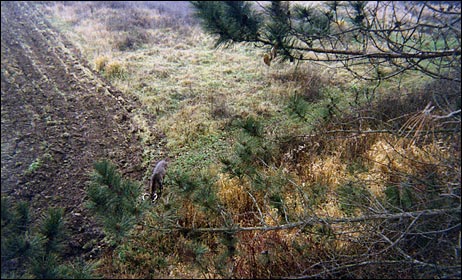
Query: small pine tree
x,y
114,200
52,228
16,240
34,252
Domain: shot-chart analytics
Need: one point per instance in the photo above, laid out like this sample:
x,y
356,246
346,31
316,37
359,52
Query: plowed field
x,y
58,117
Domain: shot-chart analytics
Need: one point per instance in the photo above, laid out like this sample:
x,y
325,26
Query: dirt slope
x,y
57,119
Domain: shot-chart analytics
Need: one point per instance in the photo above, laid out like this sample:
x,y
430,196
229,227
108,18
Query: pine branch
x,y
114,200
354,34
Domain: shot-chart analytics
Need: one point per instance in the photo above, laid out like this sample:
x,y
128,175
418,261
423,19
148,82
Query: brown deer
x,y
157,177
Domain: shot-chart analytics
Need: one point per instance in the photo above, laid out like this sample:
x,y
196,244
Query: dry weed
x,y
101,63
115,69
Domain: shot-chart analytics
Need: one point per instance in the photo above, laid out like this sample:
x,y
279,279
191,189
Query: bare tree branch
x,y
327,220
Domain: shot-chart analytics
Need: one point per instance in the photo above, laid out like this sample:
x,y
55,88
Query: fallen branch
x,y
316,220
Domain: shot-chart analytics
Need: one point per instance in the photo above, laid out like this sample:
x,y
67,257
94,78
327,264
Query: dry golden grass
x,y
391,156
114,69
100,63
325,170
233,195
192,216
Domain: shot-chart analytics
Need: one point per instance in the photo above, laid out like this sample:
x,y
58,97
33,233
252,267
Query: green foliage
x,y
198,187
310,110
277,29
16,240
14,246
253,147
312,21
206,197
144,255
166,213
344,32
237,21
418,193
261,182
199,155
356,166
400,196
22,219
78,270
352,197
6,212
185,181
114,200
251,125
298,106
229,240
317,194
358,12
45,266
52,228
232,21
45,259
35,251
235,167
190,181
34,166
199,250
250,152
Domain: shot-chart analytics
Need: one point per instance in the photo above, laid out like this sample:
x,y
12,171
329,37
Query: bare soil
x,y
58,117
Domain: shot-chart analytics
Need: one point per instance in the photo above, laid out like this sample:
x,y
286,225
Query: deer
x,y
157,177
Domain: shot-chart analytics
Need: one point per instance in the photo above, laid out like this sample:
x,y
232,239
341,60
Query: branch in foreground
x,y
364,263
353,131
316,220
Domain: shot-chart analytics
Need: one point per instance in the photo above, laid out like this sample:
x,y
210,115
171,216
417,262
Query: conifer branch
x,y
355,34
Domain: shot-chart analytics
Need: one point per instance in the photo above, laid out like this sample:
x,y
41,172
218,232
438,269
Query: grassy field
x,y
259,146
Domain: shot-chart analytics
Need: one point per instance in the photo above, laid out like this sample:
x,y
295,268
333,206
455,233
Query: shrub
x,y
100,63
115,69
219,108
308,82
251,125
298,106
132,40
129,19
